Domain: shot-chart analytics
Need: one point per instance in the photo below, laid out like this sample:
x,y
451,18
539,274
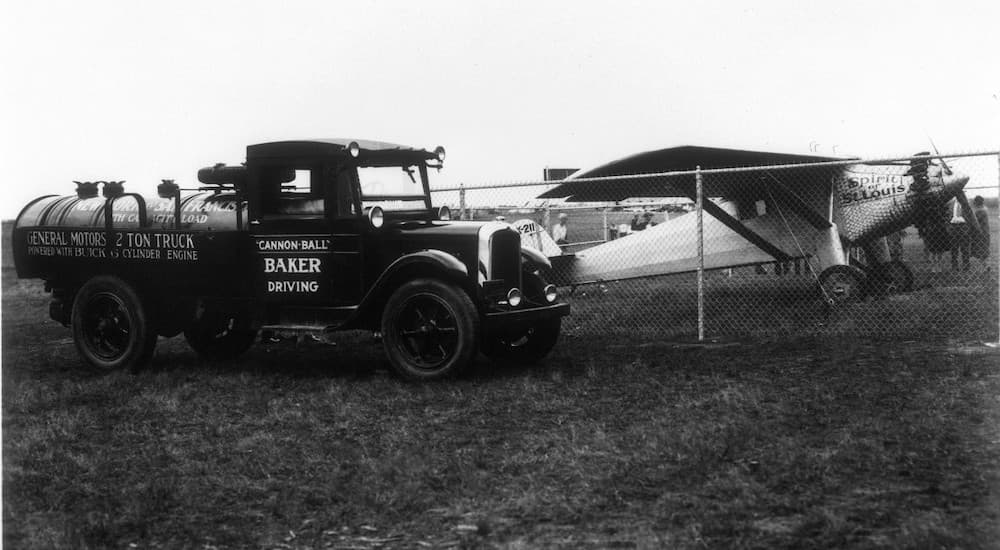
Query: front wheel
x,y
527,345
111,329
430,330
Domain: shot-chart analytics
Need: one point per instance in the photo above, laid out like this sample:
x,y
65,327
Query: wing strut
x,y
738,227
797,205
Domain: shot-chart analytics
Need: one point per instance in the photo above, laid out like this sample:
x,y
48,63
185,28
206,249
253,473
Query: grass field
x,y
816,437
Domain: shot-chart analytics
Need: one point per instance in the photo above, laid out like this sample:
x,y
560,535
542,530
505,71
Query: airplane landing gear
x,y
842,283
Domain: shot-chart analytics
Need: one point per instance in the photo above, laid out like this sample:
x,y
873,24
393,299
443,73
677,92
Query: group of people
x,y
560,231
963,239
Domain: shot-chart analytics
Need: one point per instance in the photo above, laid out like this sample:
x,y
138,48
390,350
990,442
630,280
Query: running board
x,y
300,328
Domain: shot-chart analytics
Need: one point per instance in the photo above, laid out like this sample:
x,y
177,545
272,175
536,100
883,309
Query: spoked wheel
x,y
220,335
110,327
892,277
527,344
430,330
842,283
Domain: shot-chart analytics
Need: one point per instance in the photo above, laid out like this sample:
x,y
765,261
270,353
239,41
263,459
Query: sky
x,y
142,91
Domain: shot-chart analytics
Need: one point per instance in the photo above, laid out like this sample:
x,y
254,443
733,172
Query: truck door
x,y
306,257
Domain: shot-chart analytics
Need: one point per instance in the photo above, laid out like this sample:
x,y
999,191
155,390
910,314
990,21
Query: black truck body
x,y
316,235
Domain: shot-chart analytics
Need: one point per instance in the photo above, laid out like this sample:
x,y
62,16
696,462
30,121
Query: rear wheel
x,y
430,330
220,335
111,329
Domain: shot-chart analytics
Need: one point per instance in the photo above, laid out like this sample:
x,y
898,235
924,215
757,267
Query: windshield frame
x,y
424,195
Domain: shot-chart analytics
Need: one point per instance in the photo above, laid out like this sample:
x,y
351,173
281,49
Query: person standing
x,y
895,241
980,246
958,230
560,232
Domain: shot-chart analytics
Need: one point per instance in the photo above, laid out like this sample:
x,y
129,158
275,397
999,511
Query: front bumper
x,y
526,316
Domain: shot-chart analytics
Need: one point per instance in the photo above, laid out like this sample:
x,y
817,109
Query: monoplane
x,y
786,207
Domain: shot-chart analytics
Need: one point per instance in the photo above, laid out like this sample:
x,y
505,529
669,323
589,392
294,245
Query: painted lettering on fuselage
x,y
857,187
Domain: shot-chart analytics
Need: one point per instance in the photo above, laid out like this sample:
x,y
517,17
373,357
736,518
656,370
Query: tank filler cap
x,y
113,189
167,189
86,189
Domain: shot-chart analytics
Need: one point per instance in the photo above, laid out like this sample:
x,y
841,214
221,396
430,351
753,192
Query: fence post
x,y
701,255
998,248
605,210
461,201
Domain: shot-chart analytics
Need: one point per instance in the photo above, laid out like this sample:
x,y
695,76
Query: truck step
x,y
299,328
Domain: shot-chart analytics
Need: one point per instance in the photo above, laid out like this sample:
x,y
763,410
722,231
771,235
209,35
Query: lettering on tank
x,y
114,245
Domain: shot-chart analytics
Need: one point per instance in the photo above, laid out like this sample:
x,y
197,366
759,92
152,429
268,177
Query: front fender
x,y
437,261
535,257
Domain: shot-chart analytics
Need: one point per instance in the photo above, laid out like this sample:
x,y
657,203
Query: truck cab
x,y
317,235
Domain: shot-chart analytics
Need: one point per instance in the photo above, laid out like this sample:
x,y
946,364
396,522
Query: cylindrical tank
x,y
202,211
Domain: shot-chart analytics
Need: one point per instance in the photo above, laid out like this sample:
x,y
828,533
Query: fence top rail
x,y
825,164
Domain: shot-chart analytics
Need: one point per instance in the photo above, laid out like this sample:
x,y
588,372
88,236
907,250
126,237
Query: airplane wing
x,y
676,159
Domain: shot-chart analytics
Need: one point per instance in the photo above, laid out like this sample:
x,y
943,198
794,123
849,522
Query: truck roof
x,y
328,147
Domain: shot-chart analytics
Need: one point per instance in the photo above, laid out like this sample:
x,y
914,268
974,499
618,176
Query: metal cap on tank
x,y
86,189
113,188
167,189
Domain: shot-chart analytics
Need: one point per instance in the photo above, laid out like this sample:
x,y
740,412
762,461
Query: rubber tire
x,y
892,277
456,304
843,283
531,344
220,336
140,335
527,347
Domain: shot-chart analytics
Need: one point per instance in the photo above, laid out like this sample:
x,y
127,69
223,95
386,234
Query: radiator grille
x,y
505,257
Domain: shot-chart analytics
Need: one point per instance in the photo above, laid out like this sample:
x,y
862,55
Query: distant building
x,y
555,174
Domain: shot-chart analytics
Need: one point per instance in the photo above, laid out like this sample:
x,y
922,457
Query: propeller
x,y
963,201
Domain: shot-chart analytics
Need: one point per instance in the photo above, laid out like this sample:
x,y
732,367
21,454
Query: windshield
x,y
391,187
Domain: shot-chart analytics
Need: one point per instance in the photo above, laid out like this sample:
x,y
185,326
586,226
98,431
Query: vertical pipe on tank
x,y
177,209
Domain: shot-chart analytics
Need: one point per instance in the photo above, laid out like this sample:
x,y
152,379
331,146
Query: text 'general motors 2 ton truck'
x,y
306,235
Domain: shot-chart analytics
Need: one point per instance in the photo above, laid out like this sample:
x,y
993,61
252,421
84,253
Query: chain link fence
x,y
756,257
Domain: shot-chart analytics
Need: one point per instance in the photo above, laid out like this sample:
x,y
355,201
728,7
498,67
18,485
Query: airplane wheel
x,y
892,277
842,283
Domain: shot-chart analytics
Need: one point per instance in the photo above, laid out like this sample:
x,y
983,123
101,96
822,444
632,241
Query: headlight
x,y
444,213
550,293
439,153
376,216
354,149
514,297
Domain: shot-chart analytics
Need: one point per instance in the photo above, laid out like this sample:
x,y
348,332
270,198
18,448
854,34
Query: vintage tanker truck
x,y
316,235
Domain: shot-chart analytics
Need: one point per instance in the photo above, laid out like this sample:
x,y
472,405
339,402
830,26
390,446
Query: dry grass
x,y
617,440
